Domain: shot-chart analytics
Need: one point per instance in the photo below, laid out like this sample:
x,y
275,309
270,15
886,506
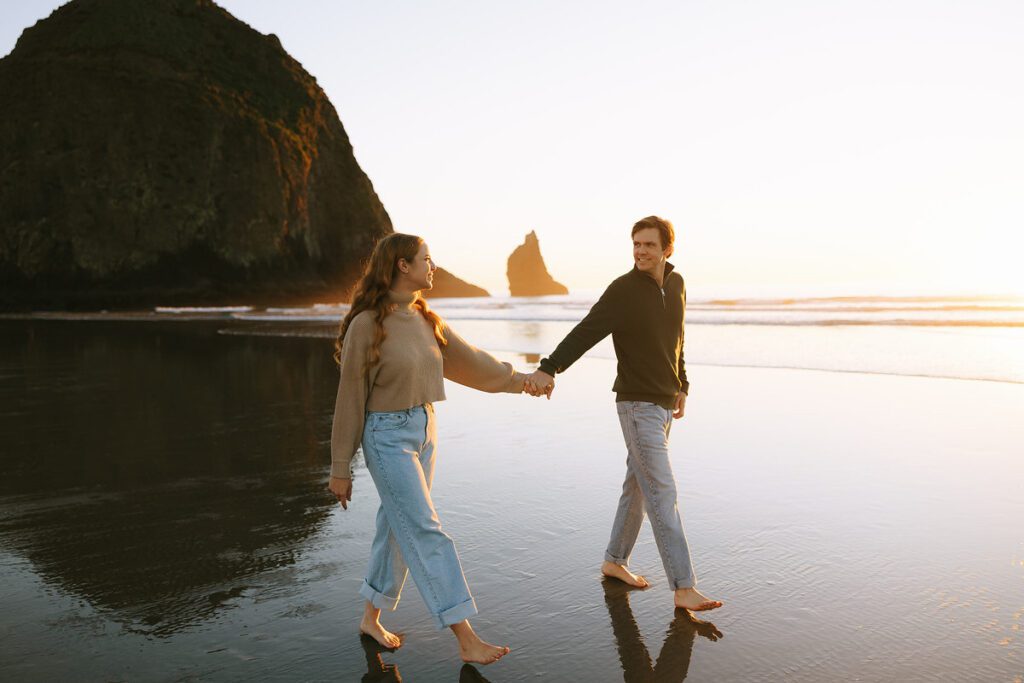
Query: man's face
x,y
647,251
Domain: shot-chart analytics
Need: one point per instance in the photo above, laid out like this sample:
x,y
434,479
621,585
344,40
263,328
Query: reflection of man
x,y
674,660
643,310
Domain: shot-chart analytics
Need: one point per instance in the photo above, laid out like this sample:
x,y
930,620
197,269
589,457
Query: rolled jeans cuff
x,y
454,615
624,561
378,599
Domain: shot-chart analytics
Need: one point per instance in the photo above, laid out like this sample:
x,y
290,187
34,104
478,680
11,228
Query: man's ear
x,y
669,251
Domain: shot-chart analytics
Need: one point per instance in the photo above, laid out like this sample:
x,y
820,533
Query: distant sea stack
x,y
162,151
527,274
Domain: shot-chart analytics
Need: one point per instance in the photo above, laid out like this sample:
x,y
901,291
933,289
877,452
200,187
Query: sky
x,y
803,146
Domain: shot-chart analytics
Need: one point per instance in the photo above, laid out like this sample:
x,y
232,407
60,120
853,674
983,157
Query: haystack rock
x,y
527,274
165,152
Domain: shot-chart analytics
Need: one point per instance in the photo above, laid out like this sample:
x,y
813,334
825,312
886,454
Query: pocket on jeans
x,y
386,422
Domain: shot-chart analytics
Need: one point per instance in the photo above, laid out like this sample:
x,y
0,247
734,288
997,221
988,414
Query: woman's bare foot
x,y
380,634
693,600
473,649
617,571
371,626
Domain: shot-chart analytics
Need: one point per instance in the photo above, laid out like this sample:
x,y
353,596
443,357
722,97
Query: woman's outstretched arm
x,y
477,369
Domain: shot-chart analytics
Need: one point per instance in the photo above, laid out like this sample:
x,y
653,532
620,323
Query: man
x,y
643,311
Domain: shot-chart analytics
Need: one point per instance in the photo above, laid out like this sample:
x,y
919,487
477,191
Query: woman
x,y
394,354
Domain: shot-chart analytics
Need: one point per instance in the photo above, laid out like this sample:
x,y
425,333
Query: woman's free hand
x,y
342,490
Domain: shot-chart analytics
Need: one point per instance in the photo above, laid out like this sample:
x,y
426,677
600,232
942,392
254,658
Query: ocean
x,y
963,337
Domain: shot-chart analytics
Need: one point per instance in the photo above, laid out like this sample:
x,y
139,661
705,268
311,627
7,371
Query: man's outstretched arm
x,y
598,324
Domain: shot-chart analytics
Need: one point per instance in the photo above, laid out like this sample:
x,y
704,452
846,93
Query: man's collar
x,y
668,269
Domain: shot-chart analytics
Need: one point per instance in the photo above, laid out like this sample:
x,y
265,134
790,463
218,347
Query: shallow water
x,y
163,518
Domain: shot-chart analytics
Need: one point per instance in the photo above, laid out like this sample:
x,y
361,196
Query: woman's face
x,y
421,269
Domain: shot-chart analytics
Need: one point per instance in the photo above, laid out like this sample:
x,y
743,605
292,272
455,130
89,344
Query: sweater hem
x,y
666,402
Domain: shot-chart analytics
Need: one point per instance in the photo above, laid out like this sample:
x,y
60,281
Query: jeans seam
x,y
658,529
426,427
403,524
626,522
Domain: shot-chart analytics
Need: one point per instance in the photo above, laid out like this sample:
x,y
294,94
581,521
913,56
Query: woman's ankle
x,y
370,613
463,632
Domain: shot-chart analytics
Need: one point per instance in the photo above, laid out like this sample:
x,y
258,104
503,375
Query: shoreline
x,y
966,355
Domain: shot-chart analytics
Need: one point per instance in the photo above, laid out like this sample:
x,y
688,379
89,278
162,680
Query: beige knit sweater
x,y
411,372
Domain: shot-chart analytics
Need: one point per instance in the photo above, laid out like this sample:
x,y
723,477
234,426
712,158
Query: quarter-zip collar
x,y
639,273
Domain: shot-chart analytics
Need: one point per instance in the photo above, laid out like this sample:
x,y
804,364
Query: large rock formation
x,y
527,274
446,284
162,151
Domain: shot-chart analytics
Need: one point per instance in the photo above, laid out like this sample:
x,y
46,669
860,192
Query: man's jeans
x,y
650,488
399,449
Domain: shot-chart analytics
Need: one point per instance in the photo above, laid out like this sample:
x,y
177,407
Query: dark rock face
x,y
527,274
162,151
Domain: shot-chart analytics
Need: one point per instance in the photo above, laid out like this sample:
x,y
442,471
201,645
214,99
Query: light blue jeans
x,y
399,448
650,488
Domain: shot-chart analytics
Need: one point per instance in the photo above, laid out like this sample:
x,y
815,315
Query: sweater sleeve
x,y
353,391
477,369
598,324
682,361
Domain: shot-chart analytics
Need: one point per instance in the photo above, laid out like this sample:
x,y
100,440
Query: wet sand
x,y
163,518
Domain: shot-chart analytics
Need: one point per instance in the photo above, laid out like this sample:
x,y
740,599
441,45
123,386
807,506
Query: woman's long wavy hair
x,y
371,293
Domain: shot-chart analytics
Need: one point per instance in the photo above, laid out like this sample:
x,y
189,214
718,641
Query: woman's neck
x,y
402,300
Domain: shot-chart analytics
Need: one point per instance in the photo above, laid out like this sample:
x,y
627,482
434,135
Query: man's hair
x,y
664,228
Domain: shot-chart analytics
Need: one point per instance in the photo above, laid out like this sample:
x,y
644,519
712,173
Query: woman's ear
x,y
403,265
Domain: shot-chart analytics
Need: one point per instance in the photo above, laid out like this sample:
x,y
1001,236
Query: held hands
x,y
539,383
342,490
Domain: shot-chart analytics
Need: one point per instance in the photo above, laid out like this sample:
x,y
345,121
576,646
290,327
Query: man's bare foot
x,y
617,571
473,649
373,628
693,600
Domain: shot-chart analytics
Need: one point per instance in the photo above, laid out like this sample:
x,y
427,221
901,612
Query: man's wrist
x,y
547,367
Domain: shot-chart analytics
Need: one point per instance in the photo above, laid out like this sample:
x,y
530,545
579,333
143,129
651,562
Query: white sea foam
x,y
891,311
201,309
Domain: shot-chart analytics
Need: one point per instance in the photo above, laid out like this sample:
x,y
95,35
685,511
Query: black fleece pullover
x,y
646,324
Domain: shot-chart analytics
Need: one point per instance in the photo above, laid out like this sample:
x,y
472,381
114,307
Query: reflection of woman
x,y
376,670
394,354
